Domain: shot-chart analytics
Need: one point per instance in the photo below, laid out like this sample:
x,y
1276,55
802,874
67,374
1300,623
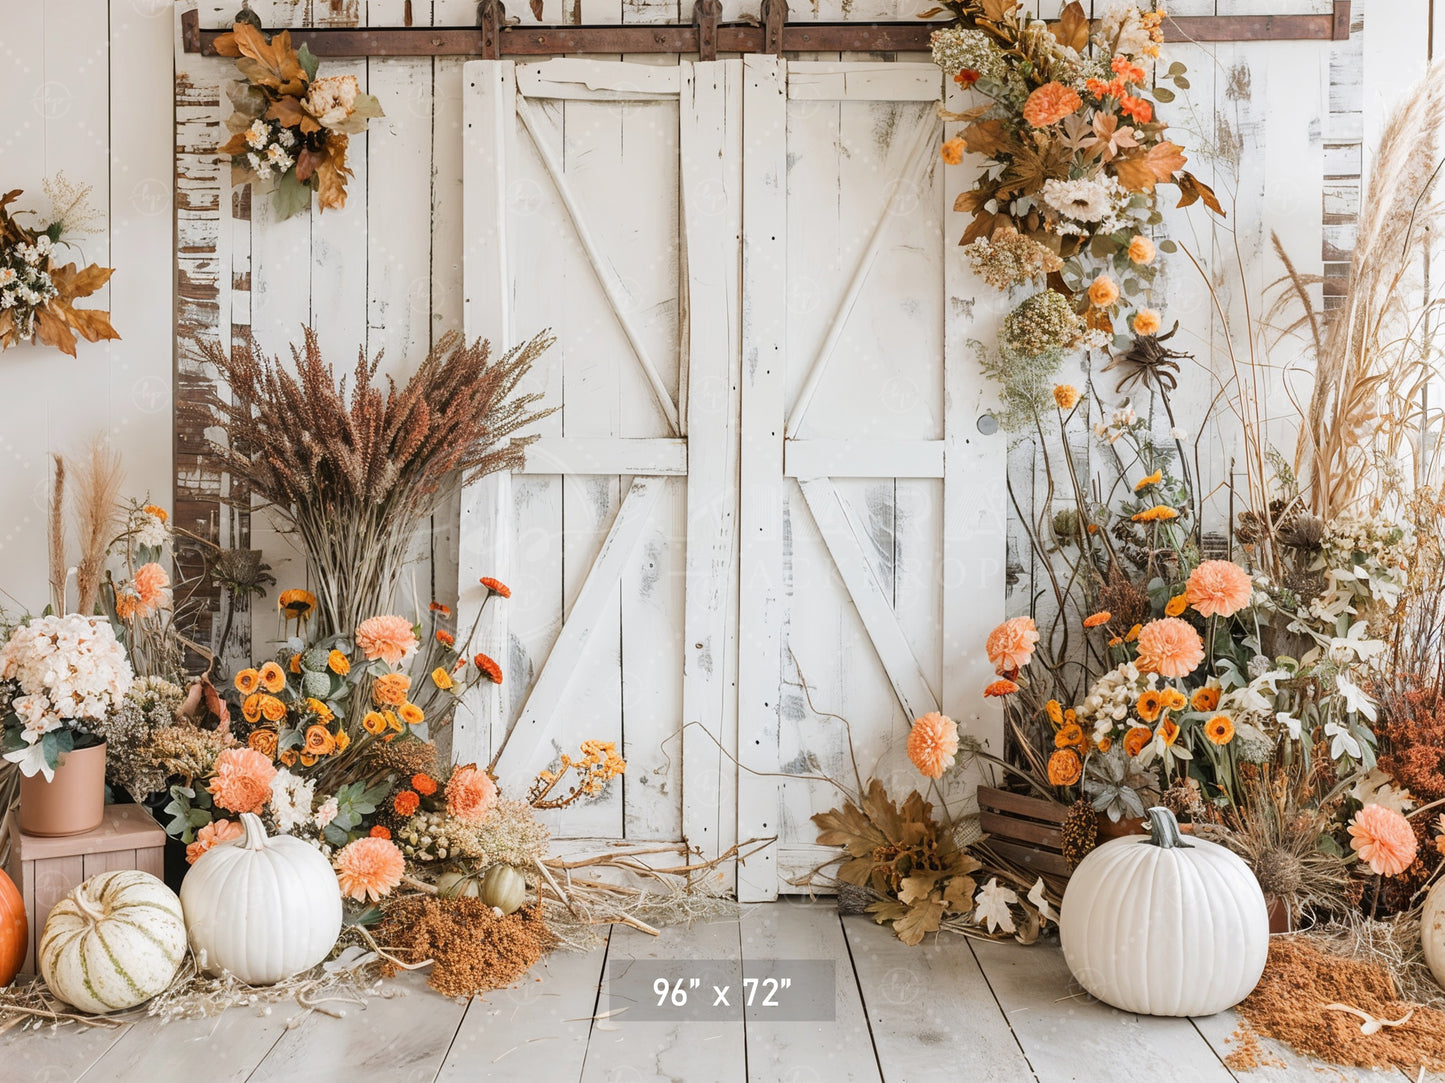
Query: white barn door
x,y
602,200
872,520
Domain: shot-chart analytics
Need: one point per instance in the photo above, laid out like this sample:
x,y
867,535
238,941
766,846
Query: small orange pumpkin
x,y
14,931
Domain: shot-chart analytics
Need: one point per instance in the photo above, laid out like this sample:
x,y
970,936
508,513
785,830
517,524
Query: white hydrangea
x,y
291,798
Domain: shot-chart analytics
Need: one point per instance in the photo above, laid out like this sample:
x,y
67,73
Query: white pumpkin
x,y
115,941
1161,925
261,908
1432,931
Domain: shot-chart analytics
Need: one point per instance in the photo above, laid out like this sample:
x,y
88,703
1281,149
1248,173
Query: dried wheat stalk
x,y
356,463
95,509
56,537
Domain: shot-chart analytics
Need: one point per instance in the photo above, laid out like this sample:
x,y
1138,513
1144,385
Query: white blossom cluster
x,y
1364,561
1088,205
291,799
69,669
272,150
25,283
148,529
1113,695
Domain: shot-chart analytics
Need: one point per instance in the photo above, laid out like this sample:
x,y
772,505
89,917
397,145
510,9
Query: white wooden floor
x,y
950,1009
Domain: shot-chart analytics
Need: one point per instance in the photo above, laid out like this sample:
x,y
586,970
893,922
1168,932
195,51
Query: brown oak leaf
x,y
1072,29
271,64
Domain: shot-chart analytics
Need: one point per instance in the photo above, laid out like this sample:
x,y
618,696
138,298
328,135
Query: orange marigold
x,y
489,667
933,744
1136,739
1168,731
1384,839
1055,711
1173,699
380,832
471,794
1205,699
242,780
445,638
442,608
389,638
1001,687
1050,104
1136,108
496,586
952,151
1219,729
1148,705
405,803
1170,647
1066,396
1011,644
1094,620
1159,513
390,689
1148,480
424,785
442,679
1219,588
1065,767
369,868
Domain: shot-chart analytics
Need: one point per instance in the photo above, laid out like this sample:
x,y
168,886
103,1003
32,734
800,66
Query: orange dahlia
x,y
1384,840
1219,588
1170,647
242,781
1050,104
933,744
1011,644
213,834
369,868
389,638
471,793
1065,767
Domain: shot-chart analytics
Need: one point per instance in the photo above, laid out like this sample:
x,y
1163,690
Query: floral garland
x,y
289,129
37,294
1075,155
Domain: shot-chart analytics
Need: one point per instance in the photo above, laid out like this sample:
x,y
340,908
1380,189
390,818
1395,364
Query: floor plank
x,y
915,998
223,1049
838,1050
405,1037
544,1019
1217,1030
665,1052
56,1055
1075,1037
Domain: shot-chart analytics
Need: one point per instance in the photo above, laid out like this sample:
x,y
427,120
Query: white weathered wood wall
x,y
86,87
89,81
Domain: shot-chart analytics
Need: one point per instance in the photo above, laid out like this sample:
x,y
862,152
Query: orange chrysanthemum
x,y
369,868
264,742
1176,605
247,681
338,663
1147,321
1094,620
152,589
273,677
488,666
272,709
1205,699
1148,480
445,638
405,803
1066,396
1384,840
1136,739
471,794
1159,513
952,151
388,638
1070,736
1050,104
380,832
1219,729
1001,687
390,689
1011,644
1148,705
1103,292
213,834
1170,647
496,586
424,784
1219,588
1065,767
242,780
933,744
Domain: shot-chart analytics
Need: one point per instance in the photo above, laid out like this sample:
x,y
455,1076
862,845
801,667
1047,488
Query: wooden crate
x,y
1028,830
46,869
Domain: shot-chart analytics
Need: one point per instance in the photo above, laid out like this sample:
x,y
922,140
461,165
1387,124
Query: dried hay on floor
x,y
1317,1000
472,947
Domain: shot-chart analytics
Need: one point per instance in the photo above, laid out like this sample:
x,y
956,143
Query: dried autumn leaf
x,y
921,919
331,174
1192,189
915,889
271,64
365,108
55,322
288,112
1140,172
997,10
1072,29
983,225
986,137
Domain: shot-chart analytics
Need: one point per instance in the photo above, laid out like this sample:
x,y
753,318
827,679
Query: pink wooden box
x,y
46,869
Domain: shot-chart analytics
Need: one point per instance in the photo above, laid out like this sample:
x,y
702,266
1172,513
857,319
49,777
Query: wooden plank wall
x,y
88,86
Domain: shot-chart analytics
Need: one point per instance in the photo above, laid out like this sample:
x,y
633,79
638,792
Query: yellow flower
x,y
338,663
1133,633
1176,605
1173,699
1055,712
411,714
343,739
374,723
1066,396
296,604
1153,479
442,679
320,709
1149,705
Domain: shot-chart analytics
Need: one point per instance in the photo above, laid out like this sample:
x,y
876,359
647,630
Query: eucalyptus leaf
x,y
1162,94
309,61
292,197
1168,246
1181,82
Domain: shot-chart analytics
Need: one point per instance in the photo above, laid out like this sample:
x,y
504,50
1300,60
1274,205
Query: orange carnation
x,y
1170,647
1011,644
424,785
1384,839
1093,620
380,832
369,868
405,803
496,586
933,744
952,151
1103,292
389,638
471,793
242,781
213,834
1050,104
488,666
1001,688
1219,588
390,689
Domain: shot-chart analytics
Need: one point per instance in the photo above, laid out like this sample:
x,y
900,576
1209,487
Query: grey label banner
x,y
698,990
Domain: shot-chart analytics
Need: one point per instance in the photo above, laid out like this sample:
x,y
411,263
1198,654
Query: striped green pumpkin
x,y
114,941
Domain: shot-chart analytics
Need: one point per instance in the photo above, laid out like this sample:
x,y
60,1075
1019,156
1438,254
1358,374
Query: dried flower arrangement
x,y
290,129
38,295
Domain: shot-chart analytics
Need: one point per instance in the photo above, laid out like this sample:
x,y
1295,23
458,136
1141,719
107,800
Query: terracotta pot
x,y
71,803
1279,915
1117,829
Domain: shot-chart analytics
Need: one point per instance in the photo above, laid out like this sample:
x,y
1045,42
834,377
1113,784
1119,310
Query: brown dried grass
x,y
95,513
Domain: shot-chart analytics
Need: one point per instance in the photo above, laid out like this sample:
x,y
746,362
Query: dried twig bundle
x,y
354,464
95,509
56,536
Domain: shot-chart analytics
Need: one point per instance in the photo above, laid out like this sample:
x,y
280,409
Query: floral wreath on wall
x,y
37,293
289,129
